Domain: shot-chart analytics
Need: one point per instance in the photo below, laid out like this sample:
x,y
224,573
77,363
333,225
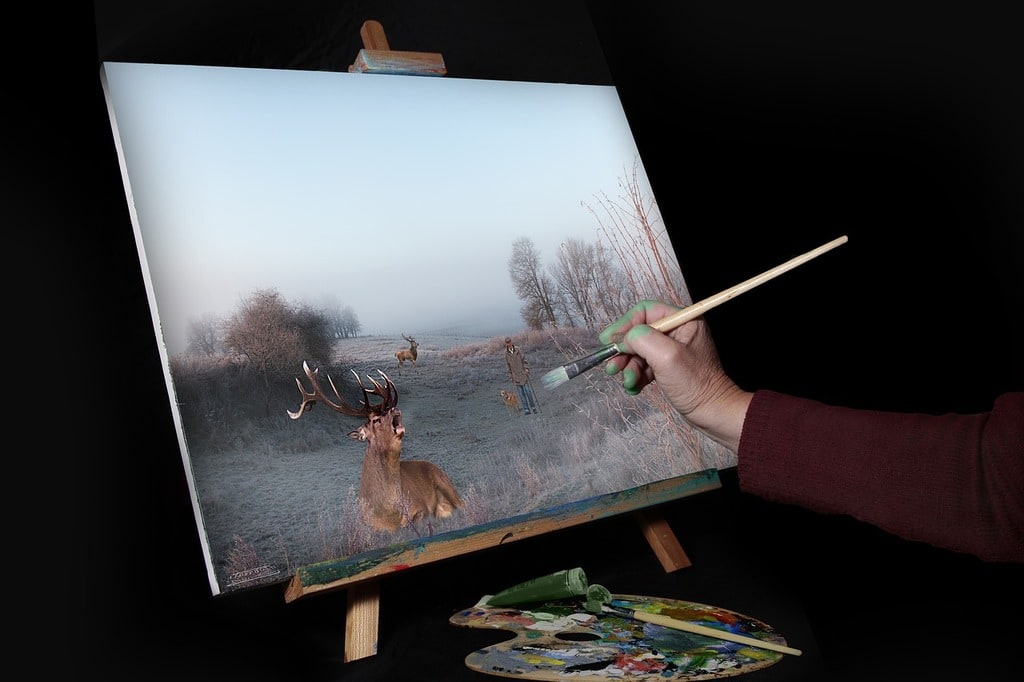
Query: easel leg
x,y
662,540
362,619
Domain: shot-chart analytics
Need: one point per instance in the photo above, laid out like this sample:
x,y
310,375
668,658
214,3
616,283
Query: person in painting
x,y
952,481
519,373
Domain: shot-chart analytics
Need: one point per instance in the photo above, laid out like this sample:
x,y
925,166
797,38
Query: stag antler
x,y
387,391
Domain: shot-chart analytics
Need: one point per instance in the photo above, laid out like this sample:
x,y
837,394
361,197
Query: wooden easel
x,y
360,574
362,617
363,614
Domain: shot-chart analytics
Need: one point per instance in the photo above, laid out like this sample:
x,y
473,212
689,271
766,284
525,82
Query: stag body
x,y
392,492
407,354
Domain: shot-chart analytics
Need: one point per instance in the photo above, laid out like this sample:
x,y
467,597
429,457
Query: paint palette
x,y
560,640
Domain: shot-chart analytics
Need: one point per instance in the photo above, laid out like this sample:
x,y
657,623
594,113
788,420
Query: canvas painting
x,y
357,282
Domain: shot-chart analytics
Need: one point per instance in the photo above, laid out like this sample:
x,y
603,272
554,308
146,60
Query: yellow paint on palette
x,y
541,660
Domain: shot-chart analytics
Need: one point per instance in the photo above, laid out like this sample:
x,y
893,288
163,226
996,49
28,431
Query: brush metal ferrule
x,y
590,361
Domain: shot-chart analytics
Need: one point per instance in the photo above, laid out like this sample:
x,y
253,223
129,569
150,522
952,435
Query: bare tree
x,y
535,288
566,312
203,335
330,308
533,315
341,320
612,295
641,247
273,337
575,272
350,324
315,339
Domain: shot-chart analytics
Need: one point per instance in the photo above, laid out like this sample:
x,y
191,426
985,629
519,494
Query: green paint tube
x,y
565,584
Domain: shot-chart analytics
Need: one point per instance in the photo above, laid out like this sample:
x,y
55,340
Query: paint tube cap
x,y
597,597
565,584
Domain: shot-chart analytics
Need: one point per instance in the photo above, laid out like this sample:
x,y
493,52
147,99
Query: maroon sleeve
x,y
953,481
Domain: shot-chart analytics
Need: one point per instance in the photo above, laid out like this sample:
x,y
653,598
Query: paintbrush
x,y
560,375
687,626
599,598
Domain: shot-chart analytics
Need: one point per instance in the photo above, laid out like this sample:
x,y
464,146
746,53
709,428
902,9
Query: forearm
x,y
954,481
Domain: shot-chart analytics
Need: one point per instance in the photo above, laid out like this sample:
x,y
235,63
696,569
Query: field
x,y
291,501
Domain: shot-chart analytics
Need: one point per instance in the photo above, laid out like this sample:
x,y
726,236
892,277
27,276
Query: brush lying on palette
x,y
566,626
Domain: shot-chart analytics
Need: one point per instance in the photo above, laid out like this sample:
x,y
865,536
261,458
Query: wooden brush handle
x,y
680,317
687,626
560,375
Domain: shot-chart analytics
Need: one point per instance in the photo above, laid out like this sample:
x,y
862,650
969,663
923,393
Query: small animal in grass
x,y
511,401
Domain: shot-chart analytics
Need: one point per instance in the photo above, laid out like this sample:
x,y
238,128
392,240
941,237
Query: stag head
x,y
383,423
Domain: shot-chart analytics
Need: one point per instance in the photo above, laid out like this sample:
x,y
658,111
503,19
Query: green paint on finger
x,y
638,331
629,379
608,332
633,334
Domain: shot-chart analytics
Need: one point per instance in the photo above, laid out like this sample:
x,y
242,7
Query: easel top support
x,y
378,57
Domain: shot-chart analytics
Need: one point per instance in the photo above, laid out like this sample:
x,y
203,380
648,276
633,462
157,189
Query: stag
x,y
393,492
407,354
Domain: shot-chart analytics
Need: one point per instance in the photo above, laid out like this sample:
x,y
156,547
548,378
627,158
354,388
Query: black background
x,y
766,129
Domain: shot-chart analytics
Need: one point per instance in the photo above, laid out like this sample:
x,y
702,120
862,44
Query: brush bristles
x,y
555,378
559,376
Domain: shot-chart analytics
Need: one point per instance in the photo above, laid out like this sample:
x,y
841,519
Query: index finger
x,y
644,312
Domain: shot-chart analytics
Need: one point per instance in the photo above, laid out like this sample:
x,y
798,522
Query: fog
x,y
396,196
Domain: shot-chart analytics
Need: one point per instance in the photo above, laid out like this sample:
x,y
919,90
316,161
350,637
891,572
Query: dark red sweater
x,y
953,481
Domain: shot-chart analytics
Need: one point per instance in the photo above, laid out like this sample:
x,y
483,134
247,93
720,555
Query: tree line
x,y
591,284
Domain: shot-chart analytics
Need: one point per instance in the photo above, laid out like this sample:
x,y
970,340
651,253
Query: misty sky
x,y
398,196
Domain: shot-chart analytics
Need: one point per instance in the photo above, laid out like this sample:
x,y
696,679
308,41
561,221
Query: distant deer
x,y
392,492
407,354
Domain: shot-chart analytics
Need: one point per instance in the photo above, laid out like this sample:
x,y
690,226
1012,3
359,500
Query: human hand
x,y
684,363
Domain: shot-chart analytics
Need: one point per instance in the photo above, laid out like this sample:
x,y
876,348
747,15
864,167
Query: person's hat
x,y
508,339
